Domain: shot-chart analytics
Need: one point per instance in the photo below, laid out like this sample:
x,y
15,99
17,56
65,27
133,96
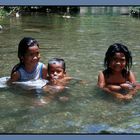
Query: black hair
x,y
23,46
117,47
56,60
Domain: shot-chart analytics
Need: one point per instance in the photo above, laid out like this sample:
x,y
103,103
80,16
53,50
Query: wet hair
x,y
23,46
115,48
56,61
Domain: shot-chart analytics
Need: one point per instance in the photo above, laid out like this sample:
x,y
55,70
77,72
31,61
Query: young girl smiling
x,y
29,67
117,79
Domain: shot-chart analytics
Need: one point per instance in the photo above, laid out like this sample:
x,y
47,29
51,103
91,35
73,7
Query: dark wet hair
x,y
23,46
117,47
55,61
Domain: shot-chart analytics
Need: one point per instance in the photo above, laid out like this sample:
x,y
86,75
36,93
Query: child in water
x,y
117,79
29,67
57,72
57,77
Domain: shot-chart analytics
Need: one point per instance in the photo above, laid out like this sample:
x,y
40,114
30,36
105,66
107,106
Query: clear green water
x,y
82,41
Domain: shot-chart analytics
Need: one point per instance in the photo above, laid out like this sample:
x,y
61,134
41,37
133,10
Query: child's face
x,y
32,56
56,71
118,62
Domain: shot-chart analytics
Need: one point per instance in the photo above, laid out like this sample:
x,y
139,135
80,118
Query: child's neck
x,y
117,72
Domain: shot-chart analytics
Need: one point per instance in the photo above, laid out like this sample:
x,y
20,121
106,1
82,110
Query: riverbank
x,y
12,11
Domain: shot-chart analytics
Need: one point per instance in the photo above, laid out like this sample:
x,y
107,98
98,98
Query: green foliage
x,y
3,12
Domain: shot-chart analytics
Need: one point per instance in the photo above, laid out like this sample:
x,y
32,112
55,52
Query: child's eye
x,y
118,60
31,54
122,59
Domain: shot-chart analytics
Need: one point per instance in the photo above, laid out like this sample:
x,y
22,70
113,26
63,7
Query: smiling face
x,y
32,56
56,71
118,62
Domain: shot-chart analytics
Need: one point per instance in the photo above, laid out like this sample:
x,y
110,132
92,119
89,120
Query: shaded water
x,y
82,41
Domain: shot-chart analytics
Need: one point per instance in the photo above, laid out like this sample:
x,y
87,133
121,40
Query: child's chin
x,y
34,62
118,69
56,78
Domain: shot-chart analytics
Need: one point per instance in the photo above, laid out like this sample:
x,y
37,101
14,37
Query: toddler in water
x,y
29,67
57,77
117,79
57,72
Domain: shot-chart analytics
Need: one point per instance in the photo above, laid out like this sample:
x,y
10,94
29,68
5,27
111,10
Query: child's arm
x,y
102,84
132,77
132,82
111,89
14,77
101,80
116,88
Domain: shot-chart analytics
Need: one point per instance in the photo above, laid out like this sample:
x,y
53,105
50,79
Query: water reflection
x,y
82,41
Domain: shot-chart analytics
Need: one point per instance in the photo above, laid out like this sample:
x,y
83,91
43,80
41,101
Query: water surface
x,y
82,41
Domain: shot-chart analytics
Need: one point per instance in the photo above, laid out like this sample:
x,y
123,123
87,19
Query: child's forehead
x,y
33,48
56,65
54,62
120,54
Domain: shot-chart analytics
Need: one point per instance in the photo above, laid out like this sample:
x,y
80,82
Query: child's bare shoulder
x,y
68,78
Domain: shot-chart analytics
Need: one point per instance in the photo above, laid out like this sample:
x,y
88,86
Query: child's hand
x,y
127,86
